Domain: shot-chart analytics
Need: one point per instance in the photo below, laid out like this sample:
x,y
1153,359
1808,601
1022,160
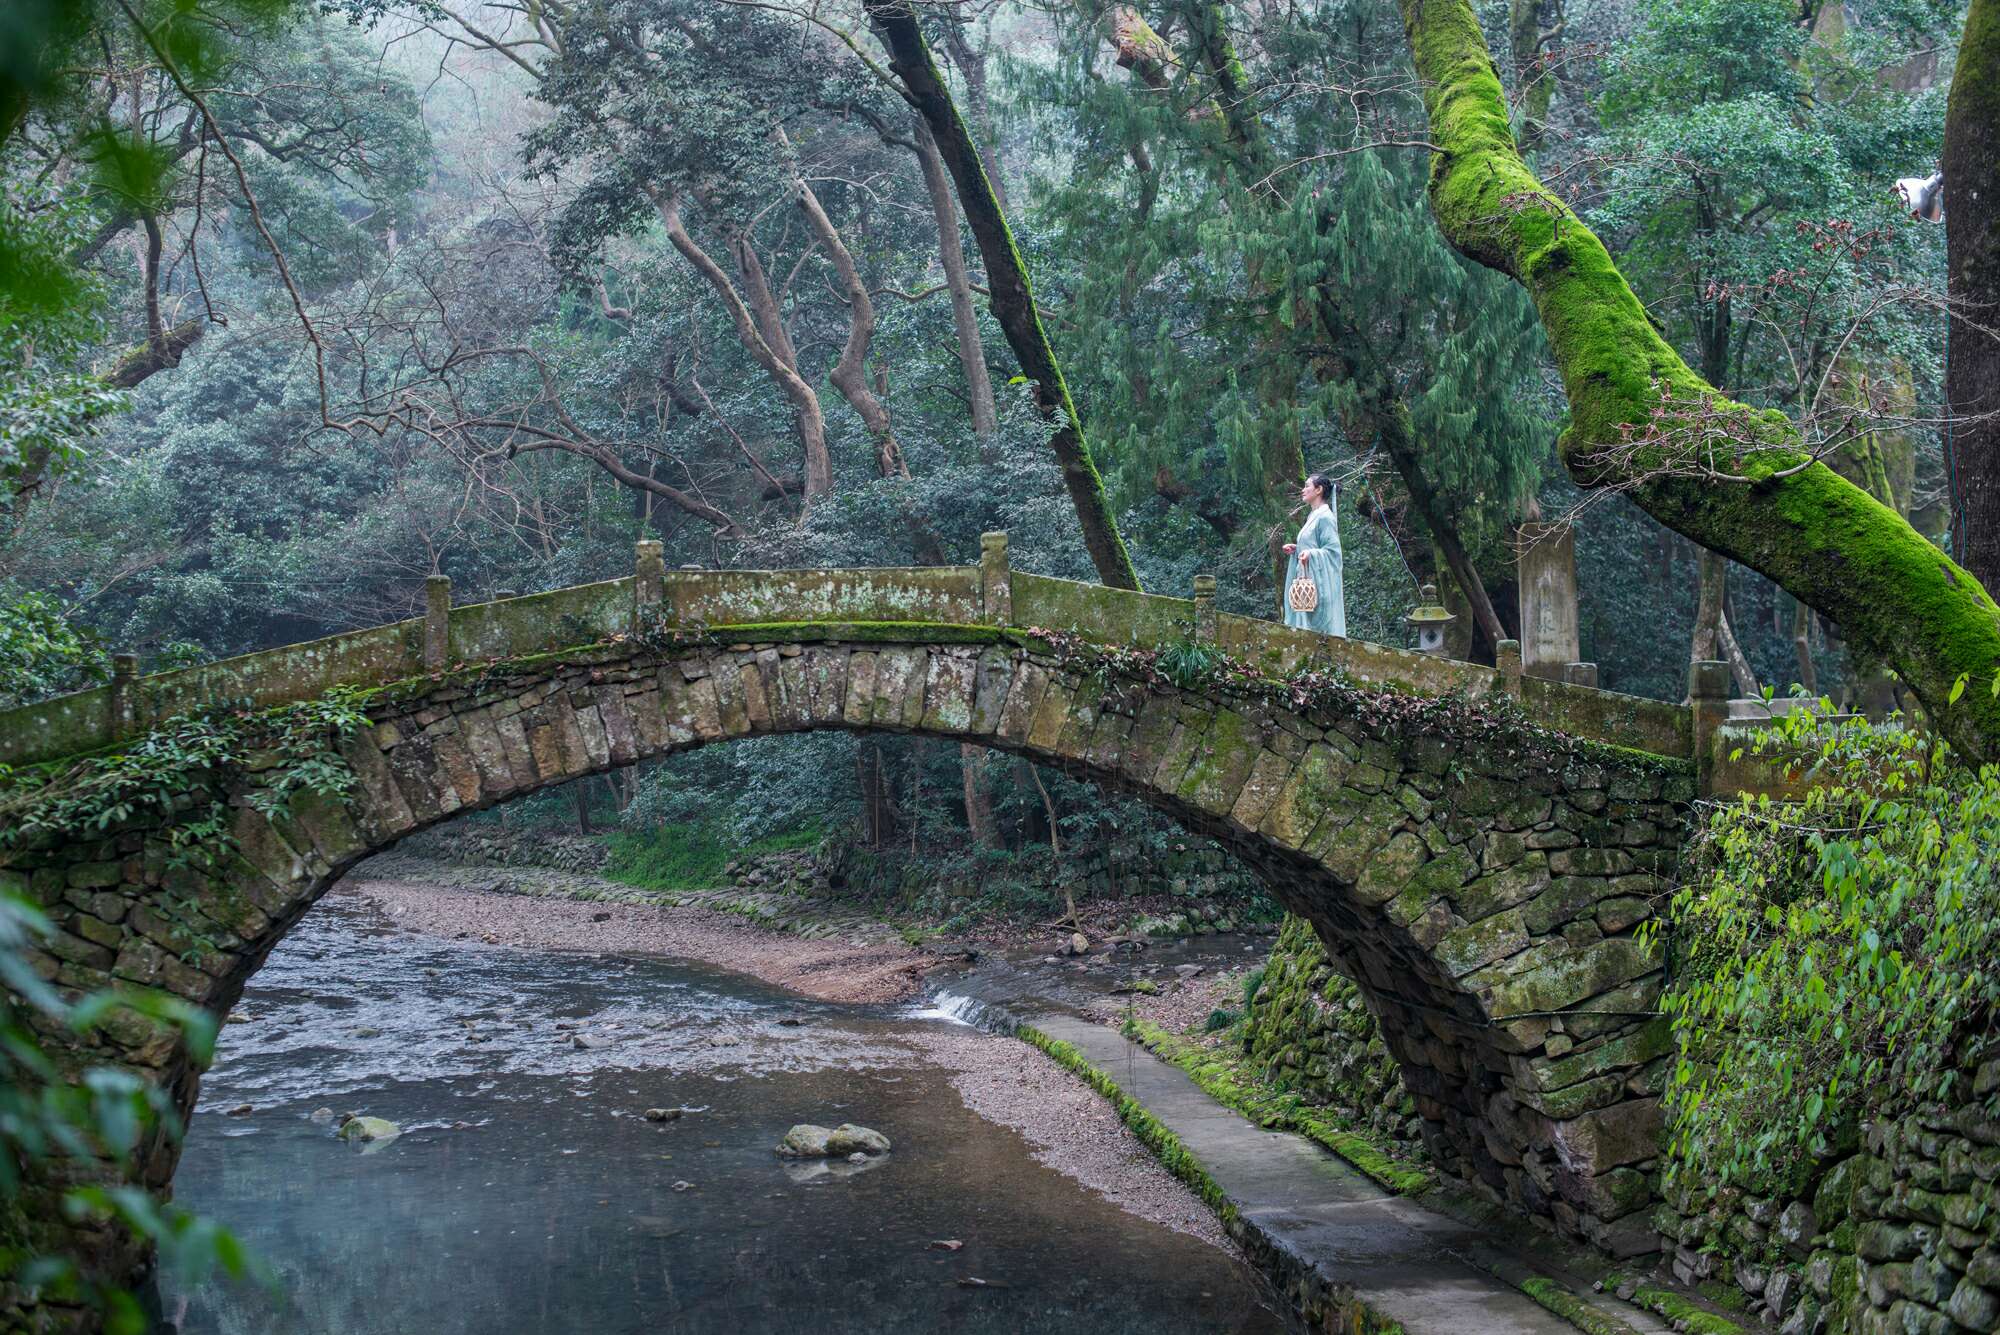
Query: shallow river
x,y
528,1193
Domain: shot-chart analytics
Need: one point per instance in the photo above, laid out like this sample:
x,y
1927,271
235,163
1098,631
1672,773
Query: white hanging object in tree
x,y
1923,196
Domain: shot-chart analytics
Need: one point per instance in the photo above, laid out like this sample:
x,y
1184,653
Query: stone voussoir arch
x,y
1482,884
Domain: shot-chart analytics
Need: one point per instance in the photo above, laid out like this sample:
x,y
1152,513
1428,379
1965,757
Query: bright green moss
x,y
1230,1080
1164,1144
1572,1308
1684,1313
1819,536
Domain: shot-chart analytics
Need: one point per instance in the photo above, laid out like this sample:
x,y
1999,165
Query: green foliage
x,y
1188,663
1842,950
1233,303
50,314
42,653
1253,982
154,775
1229,1079
1738,133
691,857
59,1127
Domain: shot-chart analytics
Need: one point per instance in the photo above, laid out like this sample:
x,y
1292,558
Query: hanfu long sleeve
x,y
1318,556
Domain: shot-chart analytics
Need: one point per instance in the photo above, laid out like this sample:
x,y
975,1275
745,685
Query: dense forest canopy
x,y
304,306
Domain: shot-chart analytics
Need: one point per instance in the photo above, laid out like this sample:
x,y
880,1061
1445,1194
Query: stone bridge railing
x,y
948,602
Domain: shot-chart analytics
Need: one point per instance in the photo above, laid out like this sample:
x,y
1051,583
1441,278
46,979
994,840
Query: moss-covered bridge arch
x,y
1482,883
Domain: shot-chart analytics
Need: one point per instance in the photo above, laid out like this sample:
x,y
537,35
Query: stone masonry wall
x,y
1899,1233
1309,1030
488,845
1480,883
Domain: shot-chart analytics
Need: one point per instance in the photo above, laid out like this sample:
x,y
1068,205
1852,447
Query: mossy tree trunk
x,y
1824,540
1972,246
1013,299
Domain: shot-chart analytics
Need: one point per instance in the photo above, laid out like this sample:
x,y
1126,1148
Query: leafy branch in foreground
x,y
71,1140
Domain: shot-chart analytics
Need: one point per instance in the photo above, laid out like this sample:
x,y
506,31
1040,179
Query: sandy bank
x,y
826,970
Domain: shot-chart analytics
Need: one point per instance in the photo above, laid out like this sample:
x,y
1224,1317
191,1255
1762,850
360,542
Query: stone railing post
x,y
649,586
437,622
1708,703
1507,657
1204,609
124,705
1580,674
995,580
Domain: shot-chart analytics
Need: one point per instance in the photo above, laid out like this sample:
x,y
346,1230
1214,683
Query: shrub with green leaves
x,y
69,1126
42,653
1832,955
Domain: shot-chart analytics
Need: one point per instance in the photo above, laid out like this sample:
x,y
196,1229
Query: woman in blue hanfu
x,y
1314,599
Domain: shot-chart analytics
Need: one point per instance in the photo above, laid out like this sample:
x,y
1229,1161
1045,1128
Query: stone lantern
x,y
1428,620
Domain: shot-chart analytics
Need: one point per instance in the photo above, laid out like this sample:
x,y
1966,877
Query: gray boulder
x,y
848,1139
806,1141
368,1129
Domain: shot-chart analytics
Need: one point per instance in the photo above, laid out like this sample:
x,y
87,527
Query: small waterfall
x,y
951,1007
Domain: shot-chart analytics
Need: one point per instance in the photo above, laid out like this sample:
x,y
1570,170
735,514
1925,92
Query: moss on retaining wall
x,y
1323,1308
1308,1033
1226,1077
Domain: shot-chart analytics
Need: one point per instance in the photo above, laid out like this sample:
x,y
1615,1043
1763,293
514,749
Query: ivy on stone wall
x,y
291,749
1328,692
1836,956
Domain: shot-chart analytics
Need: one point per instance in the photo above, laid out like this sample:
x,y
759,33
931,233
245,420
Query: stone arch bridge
x,y
1475,846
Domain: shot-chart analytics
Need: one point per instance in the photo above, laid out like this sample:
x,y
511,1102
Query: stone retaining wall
x,y
1901,1233
1212,883
489,845
1310,1031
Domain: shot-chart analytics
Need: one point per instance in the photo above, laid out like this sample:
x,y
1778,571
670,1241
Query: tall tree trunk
x,y
1391,422
579,795
1013,300
1055,849
978,794
762,334
1822,539
1972,249
1534,86
964,319
1802,647
1745,676
850,373
1281,456
971,62
1711,583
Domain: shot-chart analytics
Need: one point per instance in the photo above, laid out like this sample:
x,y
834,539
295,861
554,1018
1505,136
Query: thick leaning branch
x,y
1824,540
1013,296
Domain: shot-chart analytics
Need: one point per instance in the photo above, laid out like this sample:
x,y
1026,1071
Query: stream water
x,y
529,1194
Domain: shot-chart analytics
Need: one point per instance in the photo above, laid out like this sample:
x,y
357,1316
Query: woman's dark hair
x,y
1325,485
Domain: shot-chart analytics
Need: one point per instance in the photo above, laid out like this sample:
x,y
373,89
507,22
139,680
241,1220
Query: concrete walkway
x,y
1320,1217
